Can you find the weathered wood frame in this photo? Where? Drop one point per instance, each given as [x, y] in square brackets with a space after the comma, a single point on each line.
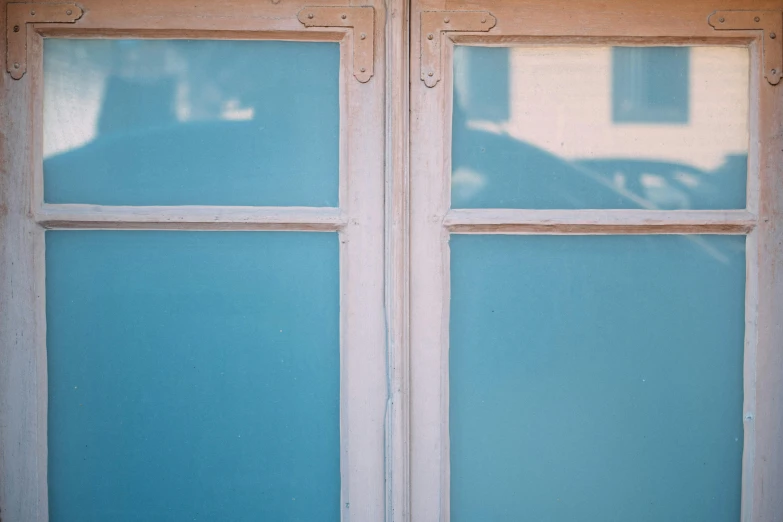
[359, 221]
[405, 405]
[592, 22]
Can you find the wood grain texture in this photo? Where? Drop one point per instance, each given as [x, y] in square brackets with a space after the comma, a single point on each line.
[631, 18]
[364, 388]
[190, 217]
[503, 221]
[397, 263]
[429, 288]
[23, 494]
[764, 422]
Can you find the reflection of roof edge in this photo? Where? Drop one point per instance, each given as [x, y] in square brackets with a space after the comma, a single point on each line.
[113, 137]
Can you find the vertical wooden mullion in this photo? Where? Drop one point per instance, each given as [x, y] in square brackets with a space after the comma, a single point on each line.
[397, 259]
[429, 285]
[766, 420]
[23, 483]
[363, 380]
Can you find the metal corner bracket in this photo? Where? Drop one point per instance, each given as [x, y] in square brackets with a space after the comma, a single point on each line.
[361, 19]
[771, 25]
[18, 15]
[434, 24]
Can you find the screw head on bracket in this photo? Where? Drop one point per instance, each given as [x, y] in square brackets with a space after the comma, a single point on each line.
[430, 36]
[32, 13]
[310, 16]
[16, 28]
[363, 36]
[773, 35]
[721, 19]
[16, 65]
[343, 17]
[446, 20]
[757, 19]
[69, 12]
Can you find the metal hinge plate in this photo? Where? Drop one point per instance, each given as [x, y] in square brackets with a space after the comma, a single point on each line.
[360, 19]
[18, 16]
[434, 24]
[770, 22]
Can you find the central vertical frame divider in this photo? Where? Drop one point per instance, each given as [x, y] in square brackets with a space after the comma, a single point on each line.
[629, 23]
[397, 277]
[359, 221]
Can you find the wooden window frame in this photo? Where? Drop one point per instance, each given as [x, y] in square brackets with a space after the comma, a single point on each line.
[432, 221]
[359, 222]
[404, 127]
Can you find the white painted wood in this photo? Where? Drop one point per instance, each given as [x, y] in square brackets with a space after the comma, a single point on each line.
[511, 221]
[429, 202]
[363, 387]
[397, 263]
[23, 395]
[190, 217]
[752, 281]
[763, 465]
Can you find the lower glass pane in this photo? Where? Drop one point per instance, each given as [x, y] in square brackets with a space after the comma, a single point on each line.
[193, 376]
[596, 378]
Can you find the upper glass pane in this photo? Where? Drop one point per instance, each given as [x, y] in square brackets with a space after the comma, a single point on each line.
[186, 122]
[193, 376]
[596, 378]
[600, 127]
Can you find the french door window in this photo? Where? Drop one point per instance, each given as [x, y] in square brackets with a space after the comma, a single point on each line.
[415, 261]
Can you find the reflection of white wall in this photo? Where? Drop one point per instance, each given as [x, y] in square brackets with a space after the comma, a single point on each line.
[561, 101]
[76, 73]
[72, 98]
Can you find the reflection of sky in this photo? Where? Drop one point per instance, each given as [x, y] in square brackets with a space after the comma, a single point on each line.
[571, 127]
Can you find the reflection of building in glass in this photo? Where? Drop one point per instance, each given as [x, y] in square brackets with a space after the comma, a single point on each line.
[174, 122]
[650, 84]
[681, 143]
[482, 82]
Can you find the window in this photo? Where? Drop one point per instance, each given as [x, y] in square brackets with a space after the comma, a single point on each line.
[406, 261]
[651, 84]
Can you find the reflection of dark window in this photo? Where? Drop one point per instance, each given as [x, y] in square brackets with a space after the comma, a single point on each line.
[650, 84]
[487, 85]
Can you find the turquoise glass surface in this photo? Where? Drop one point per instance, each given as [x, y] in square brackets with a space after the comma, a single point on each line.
[191, 122]
[596, 378]
[193, 376]
[656, 128]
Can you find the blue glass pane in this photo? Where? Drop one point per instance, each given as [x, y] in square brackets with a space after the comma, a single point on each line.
[179, 122]
[600, 127]
[651, 84]
[193, 376]
[596, 378]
